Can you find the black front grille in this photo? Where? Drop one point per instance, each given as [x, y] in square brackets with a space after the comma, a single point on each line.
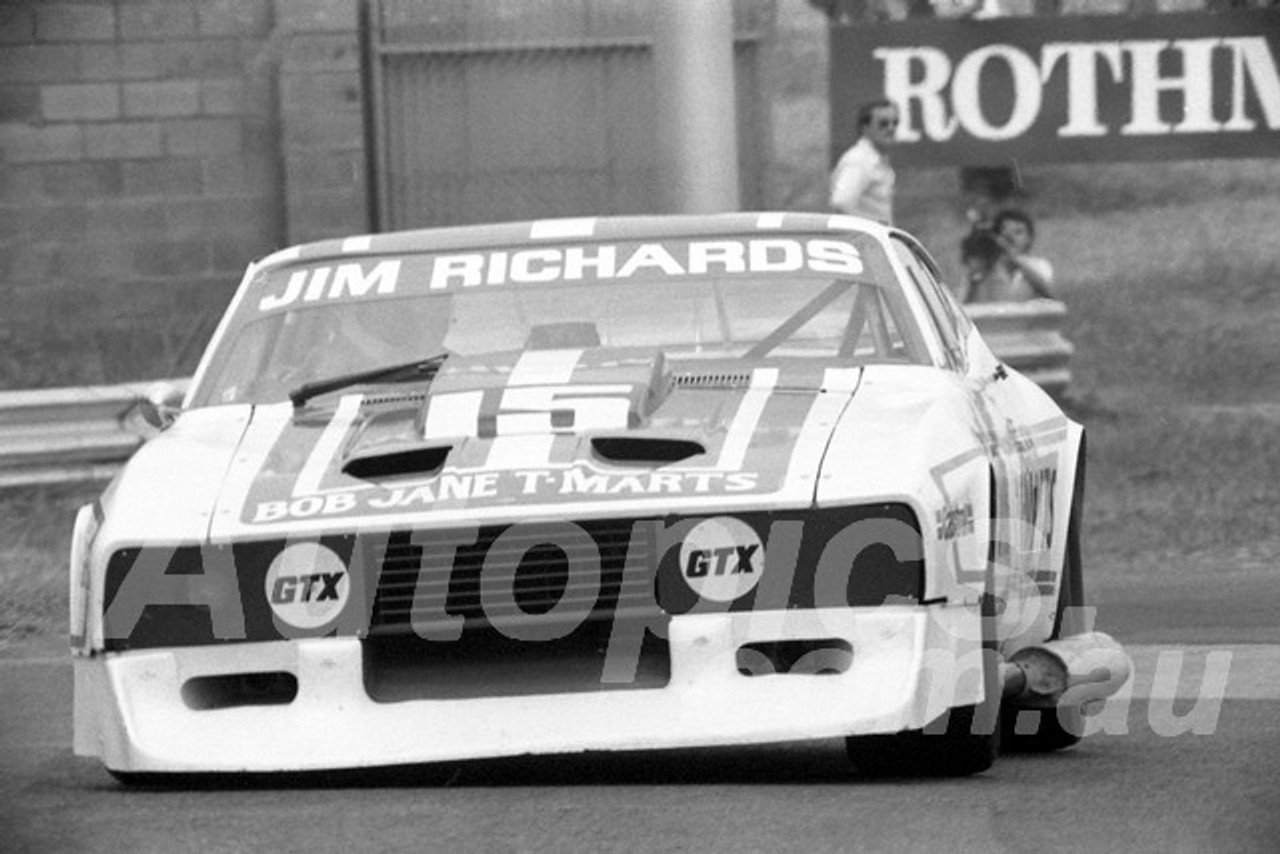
[550, 572]
[529, 581]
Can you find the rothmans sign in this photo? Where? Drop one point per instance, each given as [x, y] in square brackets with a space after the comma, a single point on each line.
[997, 91]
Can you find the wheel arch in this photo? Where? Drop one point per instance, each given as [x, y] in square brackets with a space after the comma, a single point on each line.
[1070, 616]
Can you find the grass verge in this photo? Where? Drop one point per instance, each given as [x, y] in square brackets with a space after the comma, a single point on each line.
[1170, 274]
[35, 541]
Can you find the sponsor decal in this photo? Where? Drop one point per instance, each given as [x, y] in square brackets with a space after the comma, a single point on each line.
[1035, 488]
[611, 261]
[1104, 87]
[674, 259]
[456, 485]
[307, 585]
[722, 558]
[531, 448]
[955, 521]
[335, 283]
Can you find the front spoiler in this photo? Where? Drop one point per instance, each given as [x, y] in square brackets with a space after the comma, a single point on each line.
[909, 665]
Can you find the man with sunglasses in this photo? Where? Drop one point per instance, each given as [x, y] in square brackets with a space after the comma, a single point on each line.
[862, 182]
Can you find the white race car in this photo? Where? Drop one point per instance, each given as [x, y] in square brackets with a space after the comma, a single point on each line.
[590, 484]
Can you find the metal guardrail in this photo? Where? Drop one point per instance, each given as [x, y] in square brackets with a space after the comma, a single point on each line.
[1028, 337]
[66, 435]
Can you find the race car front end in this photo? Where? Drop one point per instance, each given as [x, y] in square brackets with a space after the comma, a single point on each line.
[581, 485]
[400, 647]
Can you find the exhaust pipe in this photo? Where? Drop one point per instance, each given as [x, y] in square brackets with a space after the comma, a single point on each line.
[1091, 667]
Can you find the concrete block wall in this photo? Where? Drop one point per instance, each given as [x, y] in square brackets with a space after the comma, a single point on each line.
[150, 148]
[322, 124]
[795, 85]
[138, 139]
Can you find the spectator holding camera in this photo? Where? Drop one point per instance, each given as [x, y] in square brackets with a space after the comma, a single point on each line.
[1032, 275]
[999, 264]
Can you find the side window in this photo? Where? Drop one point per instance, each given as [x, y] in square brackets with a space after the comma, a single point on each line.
[962, 322]
[950, 304]
[921, 270]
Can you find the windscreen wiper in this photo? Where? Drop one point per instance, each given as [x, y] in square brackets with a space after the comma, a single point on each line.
[423, 369]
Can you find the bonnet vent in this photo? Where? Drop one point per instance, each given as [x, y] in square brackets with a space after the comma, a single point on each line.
[378, 463]
[392, 398]
[722, 379]
[645, 449]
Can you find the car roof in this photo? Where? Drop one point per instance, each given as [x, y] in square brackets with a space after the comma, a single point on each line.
[590, 229]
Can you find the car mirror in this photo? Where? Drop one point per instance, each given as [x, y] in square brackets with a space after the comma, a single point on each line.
[160, 405]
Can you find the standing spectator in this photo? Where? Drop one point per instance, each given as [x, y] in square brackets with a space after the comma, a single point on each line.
[998, 264]
[862, 182]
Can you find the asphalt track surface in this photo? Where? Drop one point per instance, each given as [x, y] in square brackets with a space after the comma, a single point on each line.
[1186, 758]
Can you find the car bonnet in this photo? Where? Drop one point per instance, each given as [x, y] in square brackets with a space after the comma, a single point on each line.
[537, 435]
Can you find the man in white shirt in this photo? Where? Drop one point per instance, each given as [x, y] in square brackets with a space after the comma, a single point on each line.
[862, 182]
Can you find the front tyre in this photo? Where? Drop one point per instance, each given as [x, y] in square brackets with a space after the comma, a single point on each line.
[962, 742]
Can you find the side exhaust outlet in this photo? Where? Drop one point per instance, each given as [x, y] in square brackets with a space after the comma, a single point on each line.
[1091, 667]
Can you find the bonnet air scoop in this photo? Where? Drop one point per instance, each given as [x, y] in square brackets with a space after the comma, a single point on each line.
[389, 443]
[396, 459]
[642, 450]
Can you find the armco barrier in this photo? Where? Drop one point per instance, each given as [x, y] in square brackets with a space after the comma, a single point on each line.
[75, 434]
[1027, 336]
[62, 435]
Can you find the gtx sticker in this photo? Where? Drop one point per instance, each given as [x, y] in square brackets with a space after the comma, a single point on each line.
[721, 559]
[307, 585]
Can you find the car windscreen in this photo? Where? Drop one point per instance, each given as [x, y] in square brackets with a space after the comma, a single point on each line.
[821, 298]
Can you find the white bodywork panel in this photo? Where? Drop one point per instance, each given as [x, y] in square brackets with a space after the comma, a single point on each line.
[985, 460]
[129, 710]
